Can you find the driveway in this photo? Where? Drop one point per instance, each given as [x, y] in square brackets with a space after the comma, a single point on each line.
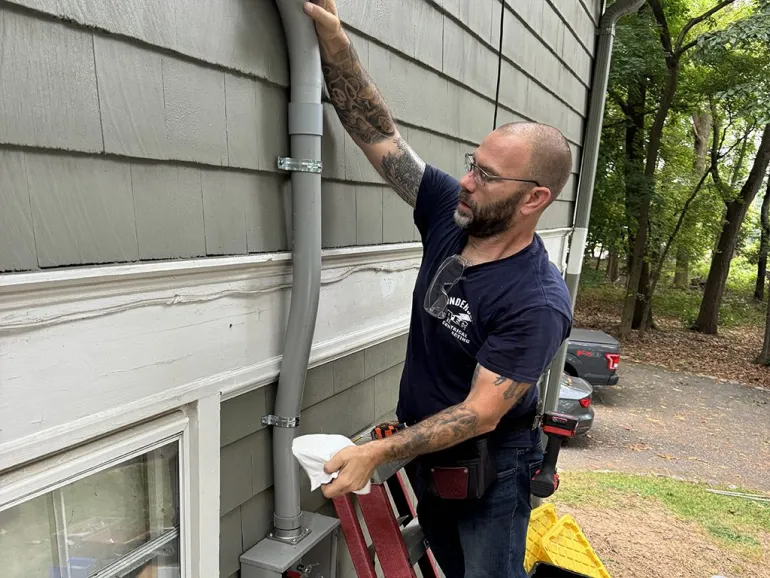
[656, 421]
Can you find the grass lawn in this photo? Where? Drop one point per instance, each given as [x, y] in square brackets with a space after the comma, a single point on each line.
[654, 526]
[734, 522]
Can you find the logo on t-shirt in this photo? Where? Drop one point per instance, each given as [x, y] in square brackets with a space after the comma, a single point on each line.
[458, 318]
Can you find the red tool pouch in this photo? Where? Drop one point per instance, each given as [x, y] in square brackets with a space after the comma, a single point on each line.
[462, 472]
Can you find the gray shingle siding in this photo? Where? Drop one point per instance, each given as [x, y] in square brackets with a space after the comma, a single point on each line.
[343, 397]
[149, 82]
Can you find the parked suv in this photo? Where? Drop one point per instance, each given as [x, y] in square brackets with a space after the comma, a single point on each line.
[594, 356]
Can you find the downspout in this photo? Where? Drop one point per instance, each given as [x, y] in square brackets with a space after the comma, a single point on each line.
[588, 176]
[305, 129]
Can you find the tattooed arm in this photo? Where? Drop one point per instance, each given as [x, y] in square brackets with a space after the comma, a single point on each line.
[490, 398]
[360, 106]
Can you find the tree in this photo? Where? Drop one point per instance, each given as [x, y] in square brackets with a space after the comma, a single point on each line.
[701, 128]
[708, 315]
[743, 46]
[759, 290]
[764, 356]
[674, 50]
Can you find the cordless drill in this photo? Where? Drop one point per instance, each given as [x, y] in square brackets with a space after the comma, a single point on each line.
[558, 427]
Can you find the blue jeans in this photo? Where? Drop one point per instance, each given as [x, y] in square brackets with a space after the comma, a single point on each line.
[486, 537]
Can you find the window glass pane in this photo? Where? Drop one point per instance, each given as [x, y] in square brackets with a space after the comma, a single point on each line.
[122, 522]
[26, 539]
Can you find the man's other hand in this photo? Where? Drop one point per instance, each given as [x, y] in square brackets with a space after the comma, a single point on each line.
[324, 14]
[355, 464]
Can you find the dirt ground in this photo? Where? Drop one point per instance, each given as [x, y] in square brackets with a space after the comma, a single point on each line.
[645, 541]
[657, 421]
[694, 428]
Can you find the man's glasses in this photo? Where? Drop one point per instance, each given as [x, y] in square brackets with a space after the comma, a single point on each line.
[482, 177]
[449, 273]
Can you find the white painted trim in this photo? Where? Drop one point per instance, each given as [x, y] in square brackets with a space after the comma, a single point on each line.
[577, 251]
[261, 265]
[62, 469]
[115, 338]
[202, 550]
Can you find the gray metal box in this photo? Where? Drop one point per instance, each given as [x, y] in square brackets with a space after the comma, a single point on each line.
[271, 558]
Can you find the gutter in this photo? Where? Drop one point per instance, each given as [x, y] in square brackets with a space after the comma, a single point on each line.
[305, 130]
[591, 145]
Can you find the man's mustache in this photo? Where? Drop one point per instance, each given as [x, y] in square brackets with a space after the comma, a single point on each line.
[465, 197]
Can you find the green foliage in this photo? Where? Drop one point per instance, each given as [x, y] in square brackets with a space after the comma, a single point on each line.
[739, 309]
[729, 65]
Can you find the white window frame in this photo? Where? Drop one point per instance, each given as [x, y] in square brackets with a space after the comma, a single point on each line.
[62, 469]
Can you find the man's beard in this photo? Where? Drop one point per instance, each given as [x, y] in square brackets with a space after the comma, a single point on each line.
[489, 220]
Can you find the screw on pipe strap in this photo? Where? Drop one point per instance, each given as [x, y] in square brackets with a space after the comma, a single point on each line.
[300, 165]
[280, 421]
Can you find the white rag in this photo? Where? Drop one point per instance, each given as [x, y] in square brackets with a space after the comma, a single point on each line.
[314, 450]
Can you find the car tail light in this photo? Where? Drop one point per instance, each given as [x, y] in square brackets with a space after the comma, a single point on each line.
[585, 402]
[612, 360]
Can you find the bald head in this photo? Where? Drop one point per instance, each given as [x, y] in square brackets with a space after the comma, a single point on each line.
[550, 159]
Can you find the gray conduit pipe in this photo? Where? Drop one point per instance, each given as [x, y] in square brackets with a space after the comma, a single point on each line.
[305, 130]
[588, 175]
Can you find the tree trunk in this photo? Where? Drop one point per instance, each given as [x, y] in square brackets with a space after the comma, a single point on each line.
[759, 290]
[708, 315]
[633, 168]
[764, 356]
[682, 272]
[701, 129]
[599, 260]
[644, 296]
[640, 243]
[659, 266]
[612, 266]
[739, 165]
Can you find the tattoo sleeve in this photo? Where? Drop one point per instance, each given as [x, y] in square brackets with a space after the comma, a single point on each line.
[445, 429]
[367, 119]
[455, 424]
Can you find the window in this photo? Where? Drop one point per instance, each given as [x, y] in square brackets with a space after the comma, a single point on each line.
[120, 519]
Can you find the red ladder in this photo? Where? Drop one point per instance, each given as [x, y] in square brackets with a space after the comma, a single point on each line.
[398, 542]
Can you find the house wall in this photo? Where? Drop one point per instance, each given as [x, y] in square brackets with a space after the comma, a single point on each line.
[341, 397]
[149, 130]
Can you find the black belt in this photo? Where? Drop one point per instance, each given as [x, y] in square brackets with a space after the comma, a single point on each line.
[528, 421]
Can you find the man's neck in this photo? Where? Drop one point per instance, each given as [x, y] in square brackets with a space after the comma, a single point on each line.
[499, 247]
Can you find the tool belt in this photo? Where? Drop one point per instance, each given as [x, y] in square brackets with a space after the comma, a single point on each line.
[467, 470]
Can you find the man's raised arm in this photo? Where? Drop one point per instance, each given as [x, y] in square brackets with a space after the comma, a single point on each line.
[360, 107]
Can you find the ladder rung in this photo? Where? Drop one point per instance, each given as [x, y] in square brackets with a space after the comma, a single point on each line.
[414, 538]
[415, 541]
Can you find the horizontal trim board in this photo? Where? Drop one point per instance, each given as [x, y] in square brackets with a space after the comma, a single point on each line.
[39, 478]
[89, 350]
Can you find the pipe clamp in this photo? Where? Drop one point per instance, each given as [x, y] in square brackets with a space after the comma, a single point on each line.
[280, 421]
[300, 165]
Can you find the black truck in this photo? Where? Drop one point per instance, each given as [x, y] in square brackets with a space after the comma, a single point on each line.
[593, 356]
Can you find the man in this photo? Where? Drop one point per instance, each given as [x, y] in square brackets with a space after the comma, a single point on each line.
[489, 313]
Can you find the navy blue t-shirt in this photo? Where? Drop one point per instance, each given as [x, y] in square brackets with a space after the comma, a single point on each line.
[509, 315]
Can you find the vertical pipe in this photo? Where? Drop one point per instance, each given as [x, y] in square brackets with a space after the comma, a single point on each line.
[305, 130]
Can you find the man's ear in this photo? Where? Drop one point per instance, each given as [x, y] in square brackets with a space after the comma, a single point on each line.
[536, 201]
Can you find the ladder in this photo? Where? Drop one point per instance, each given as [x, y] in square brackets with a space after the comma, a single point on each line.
[398, 542]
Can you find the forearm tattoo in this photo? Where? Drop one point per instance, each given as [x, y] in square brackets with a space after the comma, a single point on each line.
[450, 427]
[445, 429]
[365, 116]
